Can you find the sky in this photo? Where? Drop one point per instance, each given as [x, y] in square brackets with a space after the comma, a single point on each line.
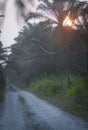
[11, 27]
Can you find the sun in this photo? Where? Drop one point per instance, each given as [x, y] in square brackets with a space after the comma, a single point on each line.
[68, 22]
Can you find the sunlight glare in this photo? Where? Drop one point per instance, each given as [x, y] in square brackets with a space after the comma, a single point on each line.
[67, 21]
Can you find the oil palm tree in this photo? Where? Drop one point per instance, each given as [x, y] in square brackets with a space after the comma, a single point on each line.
[52, 14]
[2, 76]
[55, 12]
[41, 35]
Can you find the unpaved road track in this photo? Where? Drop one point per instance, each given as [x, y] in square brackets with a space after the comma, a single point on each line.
[22, 110]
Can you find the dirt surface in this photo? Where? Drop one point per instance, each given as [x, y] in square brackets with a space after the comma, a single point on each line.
[22, 110]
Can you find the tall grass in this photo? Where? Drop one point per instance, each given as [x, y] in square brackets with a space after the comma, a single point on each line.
[66, 91]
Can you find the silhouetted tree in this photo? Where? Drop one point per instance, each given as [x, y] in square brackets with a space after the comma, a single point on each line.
[2, 74]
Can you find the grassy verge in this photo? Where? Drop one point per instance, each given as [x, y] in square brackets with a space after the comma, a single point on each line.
[69, 92]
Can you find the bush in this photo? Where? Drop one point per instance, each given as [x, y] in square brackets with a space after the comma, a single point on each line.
[78, 95]
[56, 89]
[2, 83]
[47, 85]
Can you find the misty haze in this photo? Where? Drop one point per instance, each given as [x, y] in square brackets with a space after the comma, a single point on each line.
[43, 65]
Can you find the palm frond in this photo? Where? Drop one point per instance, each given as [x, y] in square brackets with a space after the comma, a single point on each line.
[46, 2]
[2, 15]
[42, 7]
[45, 8]
[50, 8]
[34, 15]
[46, 22]
[40, 16]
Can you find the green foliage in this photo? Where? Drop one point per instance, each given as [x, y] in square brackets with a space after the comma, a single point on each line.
[2, 74]
[2, 84]
[48, 85]
[44, 48]
[56, 89]
[28, 59]
[78, 95]
[2, 54]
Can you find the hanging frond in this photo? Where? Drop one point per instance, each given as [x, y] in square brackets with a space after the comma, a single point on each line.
[40, 16]
[42, 7]
[34, 15]
[2, 15]
[46, 9]
[46, 2]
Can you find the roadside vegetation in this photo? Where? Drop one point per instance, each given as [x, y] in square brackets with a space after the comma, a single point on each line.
[68, 92]
[2, 84]
[1, 96]
[57, 44]
[3, 60]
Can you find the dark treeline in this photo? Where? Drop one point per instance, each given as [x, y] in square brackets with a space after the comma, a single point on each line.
[2, 72]
[49, 47]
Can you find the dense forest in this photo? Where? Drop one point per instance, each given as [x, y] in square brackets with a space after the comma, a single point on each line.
[50, 46]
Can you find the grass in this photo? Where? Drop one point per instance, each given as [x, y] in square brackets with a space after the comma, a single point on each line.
[69, 92]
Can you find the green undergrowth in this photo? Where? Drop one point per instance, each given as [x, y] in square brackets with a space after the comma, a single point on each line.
[69, 92]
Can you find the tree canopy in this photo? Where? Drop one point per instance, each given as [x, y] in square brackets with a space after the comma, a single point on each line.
[47, 46]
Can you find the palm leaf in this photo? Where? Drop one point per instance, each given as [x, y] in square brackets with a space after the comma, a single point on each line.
[41, 16]
[46, 2]
[34, 15]
[2, 15]
[47, 9]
